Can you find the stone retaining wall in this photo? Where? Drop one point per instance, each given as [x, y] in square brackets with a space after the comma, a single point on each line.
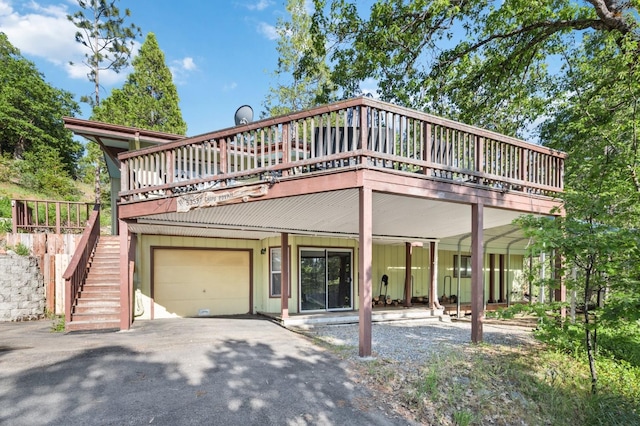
[22, 296]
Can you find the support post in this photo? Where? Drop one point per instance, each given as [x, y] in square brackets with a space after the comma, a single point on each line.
[126, 307]
[364, 270]
[284, 282]
[407, 275]
[477, 284]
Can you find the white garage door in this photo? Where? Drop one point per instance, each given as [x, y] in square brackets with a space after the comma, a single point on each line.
[192, 282]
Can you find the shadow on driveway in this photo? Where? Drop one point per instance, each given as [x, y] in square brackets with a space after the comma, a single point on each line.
[177, 372]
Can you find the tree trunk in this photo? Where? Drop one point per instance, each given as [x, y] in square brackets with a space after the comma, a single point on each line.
[590, 338]
[97, 182]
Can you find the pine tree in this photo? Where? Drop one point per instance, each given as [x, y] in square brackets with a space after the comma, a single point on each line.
[148, 99]
[102, 30]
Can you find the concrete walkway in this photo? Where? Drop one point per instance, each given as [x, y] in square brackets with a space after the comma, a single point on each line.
[209, 371]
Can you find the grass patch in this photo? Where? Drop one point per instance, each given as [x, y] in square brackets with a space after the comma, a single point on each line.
[500, 385]
[57, 323]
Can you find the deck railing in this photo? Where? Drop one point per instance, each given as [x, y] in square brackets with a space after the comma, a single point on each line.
[76, 271]
[357, 133]
[60, 217]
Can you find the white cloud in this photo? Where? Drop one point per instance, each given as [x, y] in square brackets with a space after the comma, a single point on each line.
[268, 30]
[229, 87]
[260, 5]
[45, 32]
[188, 64]
[181, 67]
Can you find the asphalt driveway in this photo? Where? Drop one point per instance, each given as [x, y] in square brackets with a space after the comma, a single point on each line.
[213, 371]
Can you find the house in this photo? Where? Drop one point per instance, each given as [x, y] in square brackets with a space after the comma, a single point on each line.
[336, 208]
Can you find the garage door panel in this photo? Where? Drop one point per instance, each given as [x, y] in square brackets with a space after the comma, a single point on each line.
[187, 281]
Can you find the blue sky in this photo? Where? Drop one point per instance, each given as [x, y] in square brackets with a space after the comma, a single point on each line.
[221, 53]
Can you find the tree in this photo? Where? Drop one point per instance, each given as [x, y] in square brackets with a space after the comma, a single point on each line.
[295, 90]
[102, 30]
[148, 99]
[480, 62]
[564, 69]
[31, 111]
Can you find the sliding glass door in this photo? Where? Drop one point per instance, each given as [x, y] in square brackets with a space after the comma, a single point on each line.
[325, 279]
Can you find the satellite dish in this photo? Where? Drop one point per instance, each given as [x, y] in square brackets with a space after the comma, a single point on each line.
[244, 115]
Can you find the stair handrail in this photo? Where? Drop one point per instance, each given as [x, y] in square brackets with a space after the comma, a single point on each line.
[76, 272]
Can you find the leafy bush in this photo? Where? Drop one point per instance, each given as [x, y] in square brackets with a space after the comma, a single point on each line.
[5, 207]
[21, 250]
[42, 170]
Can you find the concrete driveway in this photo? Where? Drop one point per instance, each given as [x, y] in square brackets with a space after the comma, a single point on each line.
[177, 372]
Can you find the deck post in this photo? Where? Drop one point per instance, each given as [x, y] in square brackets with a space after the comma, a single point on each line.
[477, 284]
[407, 275]
[125, 295]
[364, 270]
[284, 282]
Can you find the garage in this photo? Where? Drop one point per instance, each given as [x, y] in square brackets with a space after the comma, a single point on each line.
[189, 282]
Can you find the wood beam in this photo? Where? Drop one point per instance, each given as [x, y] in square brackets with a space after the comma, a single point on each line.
[477, 284]
[284, 282]
[365, 282]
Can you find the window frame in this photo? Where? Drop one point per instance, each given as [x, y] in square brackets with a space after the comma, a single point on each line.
[272, 294]
[465, 266]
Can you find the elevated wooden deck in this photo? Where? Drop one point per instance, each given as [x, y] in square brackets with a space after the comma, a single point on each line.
[349, 135]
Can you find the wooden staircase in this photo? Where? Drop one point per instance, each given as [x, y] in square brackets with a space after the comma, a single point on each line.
[97, 306]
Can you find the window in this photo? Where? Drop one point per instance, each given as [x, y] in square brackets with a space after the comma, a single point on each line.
[275, 272]
[465, 266]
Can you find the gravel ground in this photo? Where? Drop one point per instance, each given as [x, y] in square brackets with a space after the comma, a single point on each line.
[409, 342]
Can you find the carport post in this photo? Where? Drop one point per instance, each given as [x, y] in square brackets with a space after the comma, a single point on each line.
[364, 269]
[477, 283]
[284, 282]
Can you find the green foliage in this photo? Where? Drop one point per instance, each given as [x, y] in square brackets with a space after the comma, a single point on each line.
[102, 29]
[148, 99]
[42, 171]
[5, 207]
[57, 323]
[21, 249]
[5, 225]
[31, 112]
[295, 90]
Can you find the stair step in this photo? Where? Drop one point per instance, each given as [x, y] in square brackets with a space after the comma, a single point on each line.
[98, 277]
[100, 295]
[97, 306]
[97, 309]
[98, 303]
[92, 325]
[90, 298]
[104, 295]
[101, 285]
[96, 317]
